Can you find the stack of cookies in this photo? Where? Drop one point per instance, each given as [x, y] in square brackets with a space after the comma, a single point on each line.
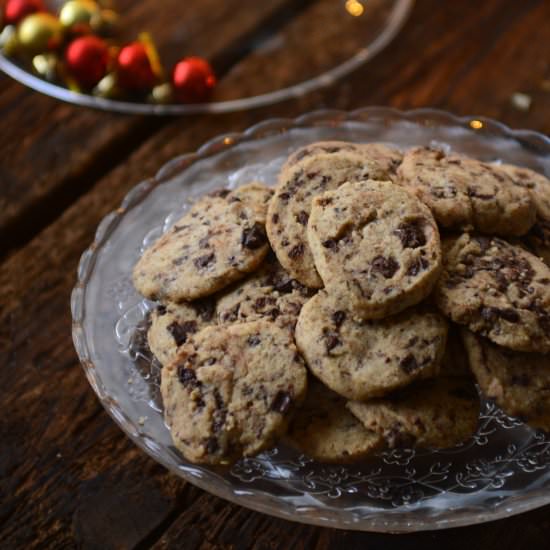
[354, 306]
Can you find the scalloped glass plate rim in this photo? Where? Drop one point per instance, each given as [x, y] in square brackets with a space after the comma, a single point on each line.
[258, 500]
[396, 20]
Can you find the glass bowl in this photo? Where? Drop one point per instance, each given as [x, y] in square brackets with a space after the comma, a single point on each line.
[503, 470]
[283, 49]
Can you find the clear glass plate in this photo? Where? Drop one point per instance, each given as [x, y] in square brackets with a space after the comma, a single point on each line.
[264, 52]
[503, 470]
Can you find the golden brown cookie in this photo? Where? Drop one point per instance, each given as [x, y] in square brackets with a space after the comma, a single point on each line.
[230, 391]
[217, 242]
[465, 193]
[437, 413]
[361, 359]
[498, 290]
[376, 245]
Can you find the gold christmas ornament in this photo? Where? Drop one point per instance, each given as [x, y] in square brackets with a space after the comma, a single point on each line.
[8, 40]
[77, 15]
[162, 94]
[39, 32]
[107, 87]
[46, 64]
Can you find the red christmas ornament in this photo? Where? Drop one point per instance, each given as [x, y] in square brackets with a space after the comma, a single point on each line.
[134, 68]
[16, 10]
[87, 58]
[193, 80]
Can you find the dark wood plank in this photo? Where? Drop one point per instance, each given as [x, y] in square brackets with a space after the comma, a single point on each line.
[51, 153]
[68, 476]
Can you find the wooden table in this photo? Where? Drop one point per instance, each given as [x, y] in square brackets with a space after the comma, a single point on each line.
[68, 475]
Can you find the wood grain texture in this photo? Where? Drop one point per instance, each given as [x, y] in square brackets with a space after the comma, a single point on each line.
[68, 476]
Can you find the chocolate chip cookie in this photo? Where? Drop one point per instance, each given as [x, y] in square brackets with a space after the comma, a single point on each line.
[376, 245]
[325, 430]
[230, 390]
[518, 382]
[465, 193]
[361, 359]
[172, 324]
[310, 171]
[217, 242]
[498, 290]
[437, 413]
[270, 293]
[537, 184]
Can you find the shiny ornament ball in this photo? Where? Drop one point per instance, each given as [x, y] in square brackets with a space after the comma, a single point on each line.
[134, 69]
[193, 80]
[87, 59]
[46, 65]
[39, 32]
[162, 94]
[16, 10]
[77, 14]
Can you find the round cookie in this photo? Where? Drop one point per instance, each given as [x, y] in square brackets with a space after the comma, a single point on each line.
[230, 390]
[438, 413]
[376, 245]
[362, 359]
[498, 290]
[518, 382]
[217, 242]
[465, 193]
[172, 324]
[325, 430]
[267, 293]
[537, 184]
[310, 171]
